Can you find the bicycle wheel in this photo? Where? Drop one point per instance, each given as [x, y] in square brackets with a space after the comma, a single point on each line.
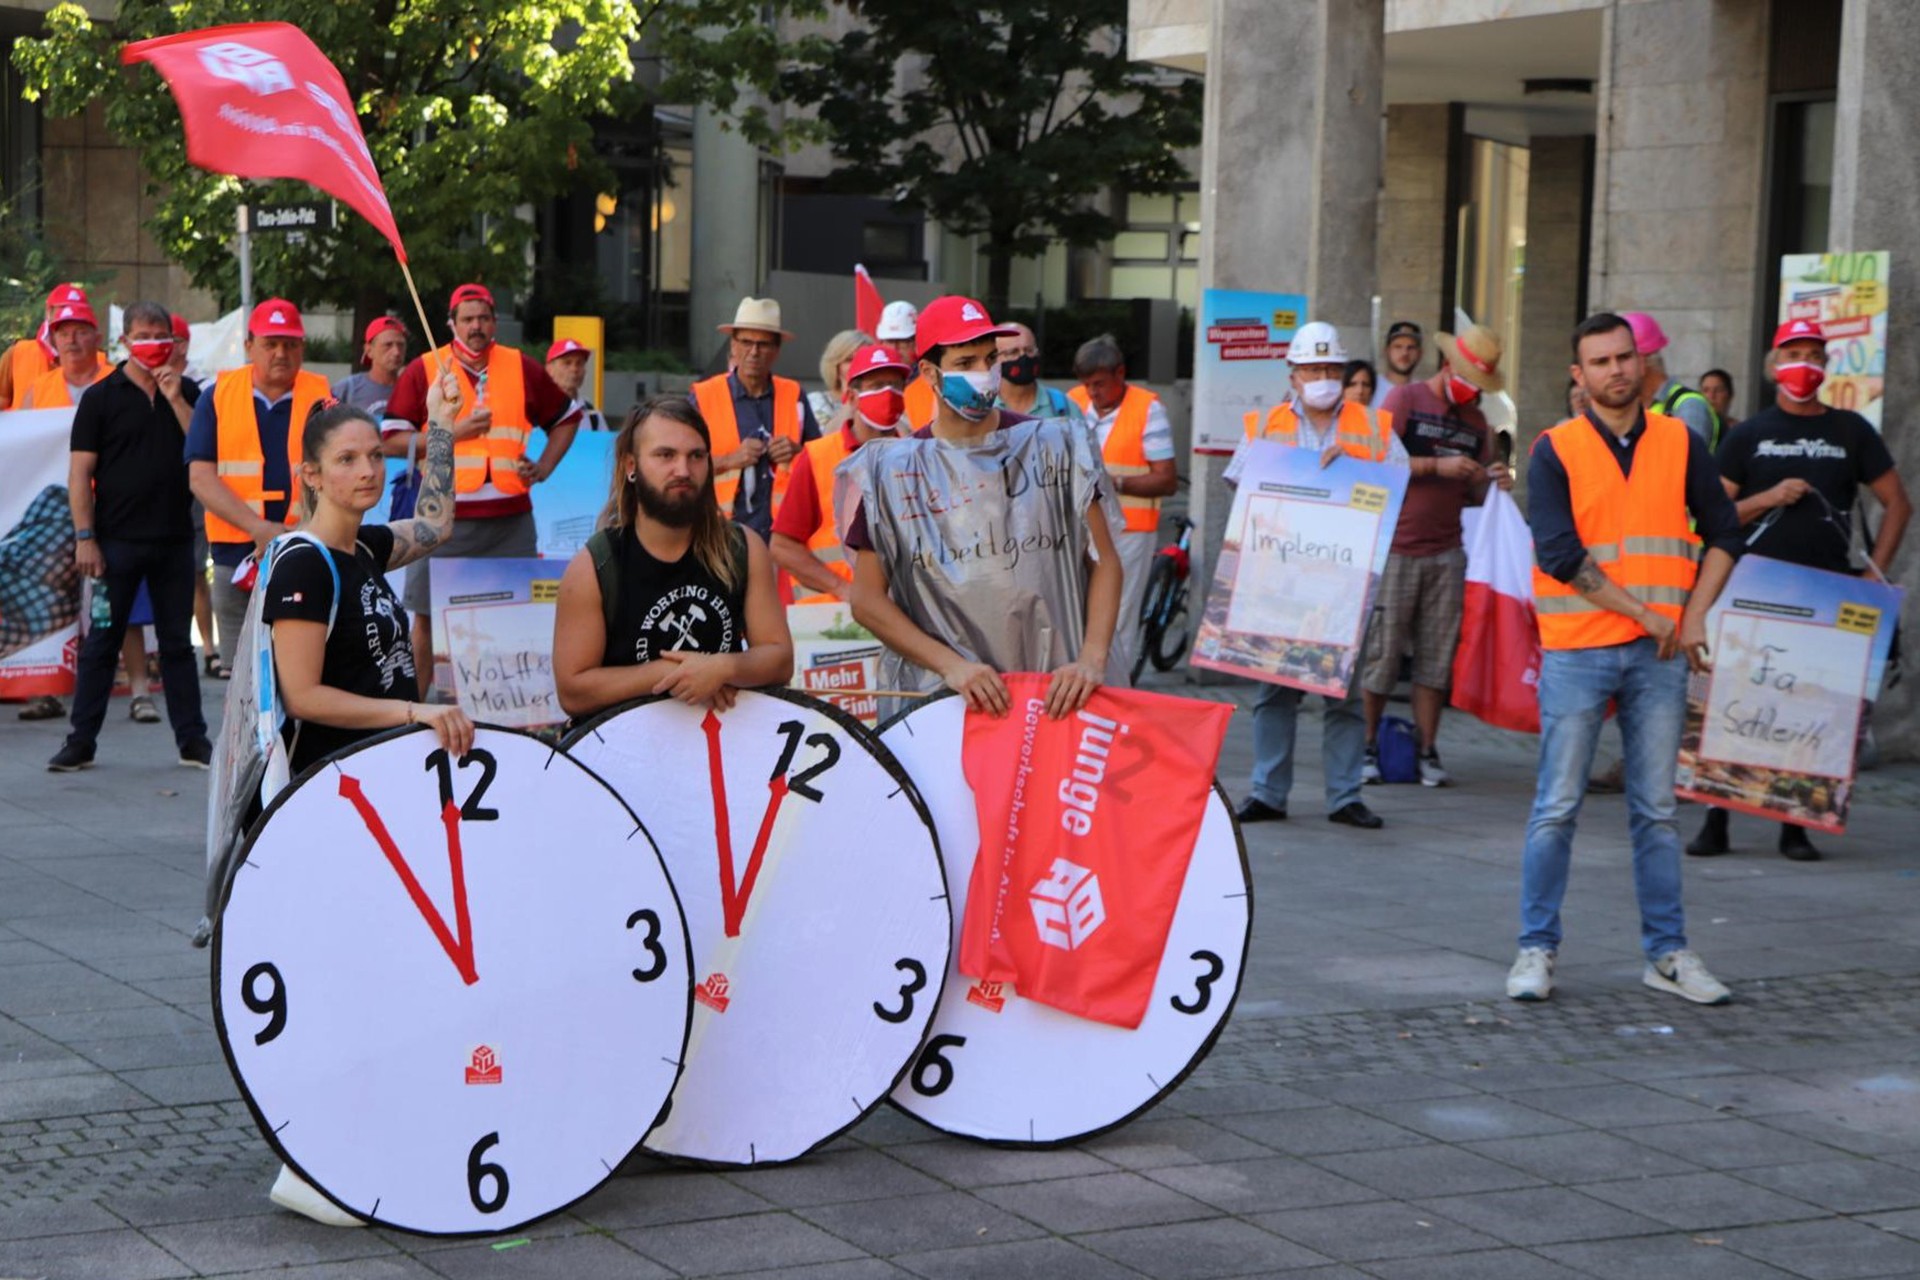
[1170, 641]
[1154, 602]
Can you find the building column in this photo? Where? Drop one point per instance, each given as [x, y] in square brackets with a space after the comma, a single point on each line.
[1413, 219]
[1875, 188]
[726, 227]
[1290, 174]
[1550, 302]
[1682, 106]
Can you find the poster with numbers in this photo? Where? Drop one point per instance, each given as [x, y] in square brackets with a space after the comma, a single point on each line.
[1295, 578]
[1846, 294]
[1798, 656]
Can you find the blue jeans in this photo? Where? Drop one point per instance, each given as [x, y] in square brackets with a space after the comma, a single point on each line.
[168, 570]
[1343, 744]
[1650, 699]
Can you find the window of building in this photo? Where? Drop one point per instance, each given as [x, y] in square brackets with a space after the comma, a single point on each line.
[1158, 253]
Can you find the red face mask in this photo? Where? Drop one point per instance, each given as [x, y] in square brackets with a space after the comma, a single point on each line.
[151, 352]
[468, 354]
[1461, 392]
[881, 408]
[1801, 381]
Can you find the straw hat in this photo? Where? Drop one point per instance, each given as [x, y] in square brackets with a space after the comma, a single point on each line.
[1474, 356]
[762, 314]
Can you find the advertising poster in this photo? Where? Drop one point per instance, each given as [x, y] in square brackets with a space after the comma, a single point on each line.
[1798, 656]
[1296, 575]
[1240, 361]
[39, 584]
[1847, 294]
[835, 658]
[567, 505]
[493, 639]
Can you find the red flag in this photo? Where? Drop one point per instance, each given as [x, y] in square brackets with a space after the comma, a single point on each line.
[259, 100]
[867, 302]
[1086, 828]
[1496, 668]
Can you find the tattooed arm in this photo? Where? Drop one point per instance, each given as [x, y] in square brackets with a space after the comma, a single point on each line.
[1591, 581]
[432, 520]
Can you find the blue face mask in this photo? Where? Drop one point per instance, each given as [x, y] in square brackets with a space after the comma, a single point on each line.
[971, 395]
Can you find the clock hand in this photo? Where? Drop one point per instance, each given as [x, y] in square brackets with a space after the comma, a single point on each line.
[722, 831]
[460, 952]
[777, 792]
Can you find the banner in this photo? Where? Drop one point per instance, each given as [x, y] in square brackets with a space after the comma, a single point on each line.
[1087, 824]
[1240, 361]
[568, 504]
[1798, 656]
[1295, 577]
[39, 583]
[1496, 669]
[835, 658]
[1847, 294]
[493, 638]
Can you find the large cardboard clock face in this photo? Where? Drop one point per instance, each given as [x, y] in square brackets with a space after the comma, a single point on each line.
[815, 898]
[1003, 1069]
[456, 994]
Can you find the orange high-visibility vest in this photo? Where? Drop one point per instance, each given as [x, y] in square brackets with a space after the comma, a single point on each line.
[239, 462]
[1361, 432]
[922, 404]
[823, 456]
[28, 360]
[1126, 451]
[50, 390]
[715, 400]
[1635, 528]
[492, 455]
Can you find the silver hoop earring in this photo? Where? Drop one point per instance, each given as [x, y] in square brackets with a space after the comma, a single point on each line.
[632, 476]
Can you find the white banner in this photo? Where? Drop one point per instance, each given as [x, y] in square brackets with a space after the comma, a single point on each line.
[39, 585]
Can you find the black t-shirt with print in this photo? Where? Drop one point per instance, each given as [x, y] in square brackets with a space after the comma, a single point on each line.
[1835, 452]
[678, 606]
[368, 650]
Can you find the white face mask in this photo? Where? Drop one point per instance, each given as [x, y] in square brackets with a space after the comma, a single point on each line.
[1322, 393]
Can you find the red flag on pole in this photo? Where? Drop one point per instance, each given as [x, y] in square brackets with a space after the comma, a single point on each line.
[1087, 825]
[867, 302]
[259, 100]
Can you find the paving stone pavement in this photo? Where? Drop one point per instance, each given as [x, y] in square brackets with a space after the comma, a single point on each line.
[1374, 1109]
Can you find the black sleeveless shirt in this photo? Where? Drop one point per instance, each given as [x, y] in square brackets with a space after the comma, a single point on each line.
[666, 606]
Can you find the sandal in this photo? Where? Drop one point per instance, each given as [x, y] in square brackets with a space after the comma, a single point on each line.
[44, 707]
[211, 665]
[143, 709]
[220, 670]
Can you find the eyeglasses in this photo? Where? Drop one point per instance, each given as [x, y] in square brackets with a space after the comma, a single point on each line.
[756, 344]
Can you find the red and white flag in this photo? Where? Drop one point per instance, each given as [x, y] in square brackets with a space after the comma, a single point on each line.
[1496, 669]
[259, 100]
[867, 302]
[1086, 828]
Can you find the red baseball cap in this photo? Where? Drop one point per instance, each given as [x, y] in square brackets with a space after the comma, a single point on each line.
[380, 325]
[873, 358]
[68, 295]
[1799, 331]
[80, 312]
[566, 347]
[954, 321]
[470, 293]
[181, 331]
[276, 318]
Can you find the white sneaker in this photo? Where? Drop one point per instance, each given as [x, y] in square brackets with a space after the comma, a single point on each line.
[1531, 977]
[1684, 974]
[1431, 774]
[1370, 767]
[295, 1193]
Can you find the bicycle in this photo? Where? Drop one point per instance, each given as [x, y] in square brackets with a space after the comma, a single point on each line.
[1163, 608]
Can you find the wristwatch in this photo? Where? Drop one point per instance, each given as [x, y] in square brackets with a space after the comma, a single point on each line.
[83, 535]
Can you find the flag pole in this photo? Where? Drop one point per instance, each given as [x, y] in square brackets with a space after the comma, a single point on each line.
[433, 354]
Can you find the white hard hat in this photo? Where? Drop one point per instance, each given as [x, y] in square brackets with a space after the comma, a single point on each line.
[1316, 343]
[897, 320]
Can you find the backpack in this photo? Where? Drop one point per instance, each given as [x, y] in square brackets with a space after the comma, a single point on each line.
[606, 567]
[1399, 751]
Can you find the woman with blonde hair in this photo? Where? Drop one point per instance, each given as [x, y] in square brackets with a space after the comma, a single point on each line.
[831, 404]
[670, 596]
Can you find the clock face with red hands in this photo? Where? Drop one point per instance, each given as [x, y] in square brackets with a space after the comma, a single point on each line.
[456, 993]
[1006, 1070]
[816, 902]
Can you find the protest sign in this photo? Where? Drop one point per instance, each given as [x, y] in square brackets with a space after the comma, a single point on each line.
[835, 658]
[567, 505]
[493, 638]
[1240, 361]
[1296, 575]
[39, 583]
[1798, 658]
[1846, 293]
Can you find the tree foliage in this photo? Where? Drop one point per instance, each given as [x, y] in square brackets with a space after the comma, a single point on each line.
[1004, 118]
[472, 108]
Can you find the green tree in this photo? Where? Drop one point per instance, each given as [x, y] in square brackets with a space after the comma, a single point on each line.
[1005, 118]
[31, 269]
[472, 108]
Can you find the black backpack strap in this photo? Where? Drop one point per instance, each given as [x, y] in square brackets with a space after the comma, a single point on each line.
[605, 569]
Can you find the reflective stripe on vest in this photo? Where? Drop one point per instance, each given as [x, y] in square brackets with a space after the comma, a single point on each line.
[714, 396]
[1635, 526]
[490, 456]
[240, 464]
[1125, 452]
[1360, 432]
